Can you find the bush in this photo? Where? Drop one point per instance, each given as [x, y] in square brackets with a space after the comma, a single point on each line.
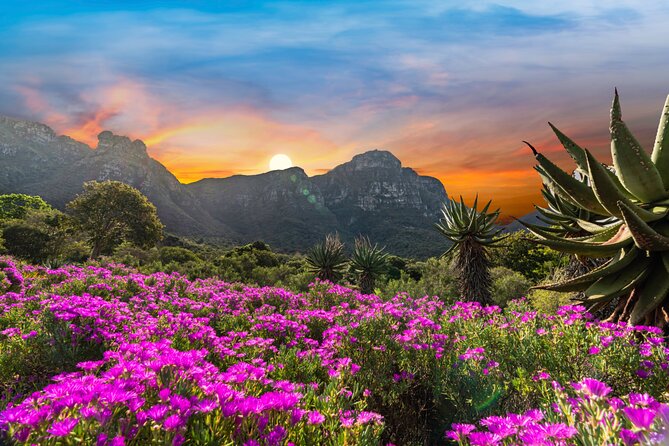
[41, 236]
[437, 278]
[531, 260]
[176, 254]
[507, 285]
[16, 206]
[549, 301]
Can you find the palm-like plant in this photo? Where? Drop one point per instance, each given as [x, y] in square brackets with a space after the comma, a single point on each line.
[327, 259]
[368, 263]
[633, 227]
[472, 233]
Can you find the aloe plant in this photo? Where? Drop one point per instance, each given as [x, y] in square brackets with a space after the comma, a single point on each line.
[472, 233]
[327, 259]
[631, 230]
[368, 263]
[565, 218]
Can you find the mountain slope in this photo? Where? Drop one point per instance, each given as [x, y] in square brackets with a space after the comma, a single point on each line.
[55, 167]
[282, 207]
[372, 194]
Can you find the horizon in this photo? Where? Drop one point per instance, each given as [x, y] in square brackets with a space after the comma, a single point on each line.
[219, 89]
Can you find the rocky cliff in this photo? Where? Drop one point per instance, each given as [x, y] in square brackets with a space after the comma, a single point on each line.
[372, 194]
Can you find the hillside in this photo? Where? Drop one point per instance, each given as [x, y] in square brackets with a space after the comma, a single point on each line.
[371, 195]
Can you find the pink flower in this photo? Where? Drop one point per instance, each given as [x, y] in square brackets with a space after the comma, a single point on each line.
[641, 417]
[315, 417]
[63, 427]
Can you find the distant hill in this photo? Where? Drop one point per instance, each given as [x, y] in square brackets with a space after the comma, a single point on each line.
[372, 194]
[531, 218]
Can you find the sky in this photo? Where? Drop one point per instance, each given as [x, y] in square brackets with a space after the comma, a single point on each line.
[217, 88]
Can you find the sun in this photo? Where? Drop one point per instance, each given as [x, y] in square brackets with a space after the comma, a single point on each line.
[280, 162]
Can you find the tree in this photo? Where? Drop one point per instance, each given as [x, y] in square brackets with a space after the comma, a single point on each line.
[41, 235]
[368, 263]
[327, 259]
[472, 232]
[17, 205]
[521, 254]
[111, 212]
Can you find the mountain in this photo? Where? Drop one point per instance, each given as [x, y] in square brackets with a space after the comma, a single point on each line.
[371, 195]
[283, 207]
[531, 218]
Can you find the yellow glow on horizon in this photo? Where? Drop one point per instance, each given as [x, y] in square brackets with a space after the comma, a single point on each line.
[280, 161]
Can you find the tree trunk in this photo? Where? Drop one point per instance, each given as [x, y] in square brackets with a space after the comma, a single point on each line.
[95, 252]
[366, 284]
[474, 268]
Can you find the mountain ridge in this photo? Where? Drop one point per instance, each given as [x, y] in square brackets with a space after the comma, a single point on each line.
[372, 194]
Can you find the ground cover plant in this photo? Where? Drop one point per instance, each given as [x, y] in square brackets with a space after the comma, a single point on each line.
[92, 355]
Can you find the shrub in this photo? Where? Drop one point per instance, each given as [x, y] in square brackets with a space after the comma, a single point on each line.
[508, 285]
[436, 277]
[16, 206]
[531, 260]
[176, 254]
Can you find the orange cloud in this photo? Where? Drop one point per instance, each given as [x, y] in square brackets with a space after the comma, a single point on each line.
[209, 141]
[195, 142]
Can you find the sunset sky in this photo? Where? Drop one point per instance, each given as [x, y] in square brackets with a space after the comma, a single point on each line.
[217, 88]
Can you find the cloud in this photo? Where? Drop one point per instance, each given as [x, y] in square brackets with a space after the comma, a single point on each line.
[220, 86]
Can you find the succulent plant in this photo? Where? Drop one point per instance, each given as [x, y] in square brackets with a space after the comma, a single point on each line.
[631, 228]
[472, 232]
[327, 259]
[563, 217]
[368, 263]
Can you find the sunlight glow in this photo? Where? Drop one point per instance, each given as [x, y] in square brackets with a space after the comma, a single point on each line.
[280, 162]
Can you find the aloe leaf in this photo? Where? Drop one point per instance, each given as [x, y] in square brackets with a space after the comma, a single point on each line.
[645, 237]
[653, 293]
[634, 167]
[575, 190]
[660, 155]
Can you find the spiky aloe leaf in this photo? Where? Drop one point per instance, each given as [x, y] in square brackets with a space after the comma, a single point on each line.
[645, 237]
[574, 189]
[327, 259]
[660, 155]
[574, 150]
[633, 165]
[611, 285]
[368, 262]
[622, 260]
[608, 194]
[472, 233]
[653, 293]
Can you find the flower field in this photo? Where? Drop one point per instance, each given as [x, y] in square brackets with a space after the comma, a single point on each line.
[107, 356]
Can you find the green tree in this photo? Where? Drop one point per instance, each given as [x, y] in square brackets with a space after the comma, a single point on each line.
[111, 212]
[13, 206]
[41, 235]
[525, 256]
